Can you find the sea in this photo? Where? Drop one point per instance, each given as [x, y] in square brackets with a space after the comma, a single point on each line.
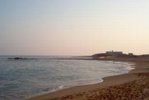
[34, 75]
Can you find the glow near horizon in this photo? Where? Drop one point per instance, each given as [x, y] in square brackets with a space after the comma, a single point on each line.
[73, 27]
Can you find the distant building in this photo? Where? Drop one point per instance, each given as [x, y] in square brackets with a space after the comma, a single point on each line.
[114, 53]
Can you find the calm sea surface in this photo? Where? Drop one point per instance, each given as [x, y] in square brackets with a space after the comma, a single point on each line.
[20, 79]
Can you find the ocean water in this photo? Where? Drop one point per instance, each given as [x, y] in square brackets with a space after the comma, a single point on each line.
[20, 79]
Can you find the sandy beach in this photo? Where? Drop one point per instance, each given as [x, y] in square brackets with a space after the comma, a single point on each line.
[131, 86]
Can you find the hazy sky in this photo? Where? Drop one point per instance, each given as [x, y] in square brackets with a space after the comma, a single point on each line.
[73, 27]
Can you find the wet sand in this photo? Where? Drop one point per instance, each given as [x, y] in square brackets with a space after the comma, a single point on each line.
[131, 86]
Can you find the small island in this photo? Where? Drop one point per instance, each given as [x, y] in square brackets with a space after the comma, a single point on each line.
[119, 55]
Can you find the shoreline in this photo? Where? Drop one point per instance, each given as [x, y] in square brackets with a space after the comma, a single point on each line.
[116, 80]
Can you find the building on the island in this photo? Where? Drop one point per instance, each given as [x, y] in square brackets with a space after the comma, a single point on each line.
[114, 53]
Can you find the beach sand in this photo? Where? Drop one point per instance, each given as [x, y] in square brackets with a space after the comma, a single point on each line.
[131, 86]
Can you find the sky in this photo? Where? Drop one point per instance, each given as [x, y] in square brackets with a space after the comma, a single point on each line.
[73, 27]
